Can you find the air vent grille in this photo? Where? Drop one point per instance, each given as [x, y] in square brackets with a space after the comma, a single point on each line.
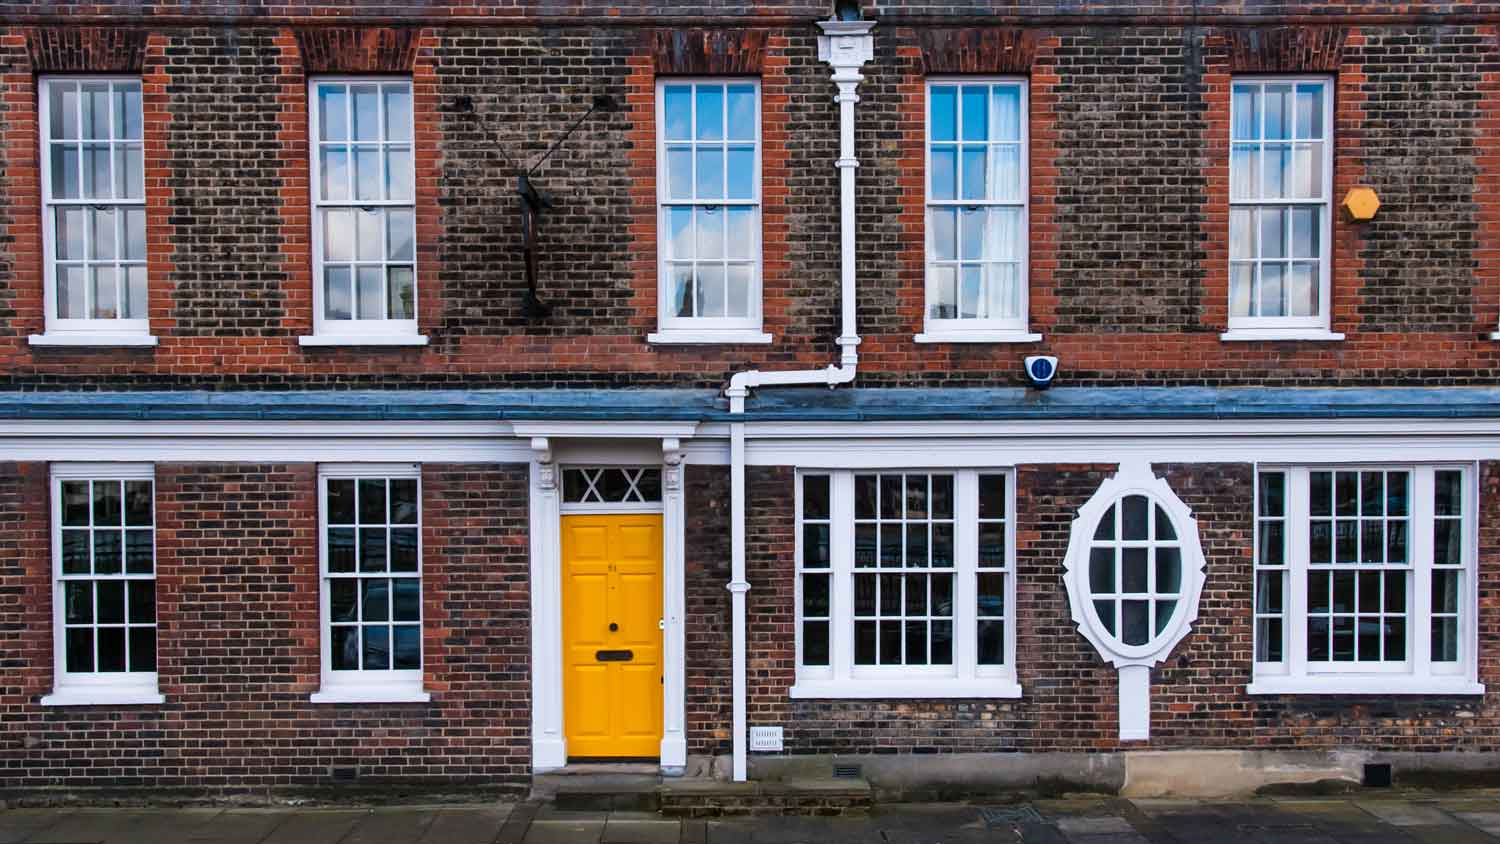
[846, 772]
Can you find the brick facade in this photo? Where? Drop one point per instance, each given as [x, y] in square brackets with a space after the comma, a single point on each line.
[1129, 183]
[237, 603]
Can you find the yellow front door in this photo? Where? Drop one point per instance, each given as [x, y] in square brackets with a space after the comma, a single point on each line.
[612, 637]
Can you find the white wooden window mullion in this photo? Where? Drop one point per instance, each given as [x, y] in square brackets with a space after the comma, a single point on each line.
[1297, 542]
[1419, 557]
[841, 592]
[966, 577]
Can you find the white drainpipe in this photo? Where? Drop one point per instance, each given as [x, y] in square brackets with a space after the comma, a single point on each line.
[846, 46]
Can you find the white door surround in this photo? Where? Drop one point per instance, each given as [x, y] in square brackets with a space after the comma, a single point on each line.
[579, 443]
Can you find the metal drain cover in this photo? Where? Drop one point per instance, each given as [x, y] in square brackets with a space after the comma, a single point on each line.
[995, 817]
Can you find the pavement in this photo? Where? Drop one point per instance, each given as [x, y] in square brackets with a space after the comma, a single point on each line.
[1360, 818]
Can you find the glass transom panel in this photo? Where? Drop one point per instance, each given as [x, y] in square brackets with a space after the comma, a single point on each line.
[611, 485]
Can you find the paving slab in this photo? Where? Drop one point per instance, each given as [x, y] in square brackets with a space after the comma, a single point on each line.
[1400, 814]
[316, 827]
[466, 826]
[641, 831]
[1447, 834]
[237, 826]
[1486, 821]
[113, 827]
[17, 825]
[390, 826]
[565, 832]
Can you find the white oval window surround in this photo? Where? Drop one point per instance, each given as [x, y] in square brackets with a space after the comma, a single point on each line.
[1134, 571]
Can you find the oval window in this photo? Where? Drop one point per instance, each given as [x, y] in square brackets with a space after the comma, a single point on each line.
[1134, 583]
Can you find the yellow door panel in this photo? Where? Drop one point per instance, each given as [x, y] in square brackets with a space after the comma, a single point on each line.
[612, 679]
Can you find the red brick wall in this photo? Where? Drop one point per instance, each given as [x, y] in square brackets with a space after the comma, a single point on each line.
[238, 654]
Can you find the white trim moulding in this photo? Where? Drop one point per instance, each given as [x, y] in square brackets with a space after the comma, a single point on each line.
[708, 338]
[362, 340]
[977, 337]
[83, 339]
[1236, 335]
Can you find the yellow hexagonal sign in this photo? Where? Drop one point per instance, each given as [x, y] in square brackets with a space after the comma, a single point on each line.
[1360, 204]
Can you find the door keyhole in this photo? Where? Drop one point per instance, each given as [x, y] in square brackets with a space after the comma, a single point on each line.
[613, 627]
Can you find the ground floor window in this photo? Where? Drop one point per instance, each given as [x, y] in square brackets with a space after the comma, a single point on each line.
[1364, 579]
[905, 583]
[371, 577]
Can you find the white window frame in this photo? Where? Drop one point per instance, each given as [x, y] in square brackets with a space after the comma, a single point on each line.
[376, 685]
[96, 688]
[1418, 674]
[358, 332]
[965, 678]
[87, 331]
[959, 330]
[1317, 327]
[707, 330]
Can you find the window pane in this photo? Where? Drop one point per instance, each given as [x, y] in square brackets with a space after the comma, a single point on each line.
[1268, 640]
[75, 500]
[680, 172]
[864, 643]
[375, 599]
[710, 175]
[135, 234]
[333, 167]
[401, 234]
[815, 546]
[75, 551]
[814, 643]
[710, 223]
[111, 649]
[408, 647]
[678, 108]
[332, 113]
[341, 550]
[1310, 110]
[1246, 109]
[1307, 167]
[1302, 290]
[741, 107]
[991, 496]
[975, 167]
[343, 596]
[1133, 570]
[1006, 113]
[971, 233]
[1276, 165]
[943, 118]
[740, 232]
[991, 643]
[1448, 489]
[404, 550]
[1106, 612]
[1445, 640]
[1134, 515]
[1135, 623]
[944, 162]
[992, 545]
[1244, 172]
[108, 558]
[377, 650]
[942, 233]
[140, 554]
[78, 603]
[398, 173]
[402, 294]
[1164, 529]
[1102, 571]
[143, 649]
[1164, 612]
[1278, 106]
[371, 293]
[95, 110]
[710, 113]
[1271, 302]
[367, 173]
[1168, 570]
[741, 169]
[369, 242]
[107, 505]
[142, 594]
[815, 595]
[1241, 233]
[1005, 181]
[709, 290]
[397, 112]
[80, 648]
[62, 109]
[1270, 595]
[366, 112]
[1272, 543]
[372, 550]
[130, 179]
[680, 281]
[343, 648]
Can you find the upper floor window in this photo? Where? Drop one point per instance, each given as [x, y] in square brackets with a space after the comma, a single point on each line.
[364, 209]
[1364, 580]
[1280, 215]
[94, 208]
[104, 584]
[905, 585]
[708, 193]
[977, 190]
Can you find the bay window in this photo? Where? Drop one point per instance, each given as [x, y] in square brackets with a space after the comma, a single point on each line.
[905, 584]
[1364, 580]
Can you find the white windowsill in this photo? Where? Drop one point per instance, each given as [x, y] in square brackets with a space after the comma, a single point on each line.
[1234, 335]
[370, 694]
[977, 337]
[1495, 335]
[103, 696]
[81, 339]
[362, 340]
[877, 689]
[1350, 685]
[671, 337]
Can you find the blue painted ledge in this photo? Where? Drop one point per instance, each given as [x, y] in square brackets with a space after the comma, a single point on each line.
[768, 404]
